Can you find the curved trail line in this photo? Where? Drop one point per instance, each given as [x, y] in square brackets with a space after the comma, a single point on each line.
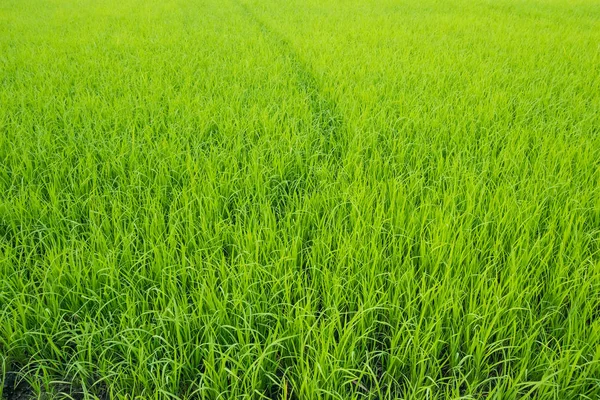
[327, 122]
[326, 118]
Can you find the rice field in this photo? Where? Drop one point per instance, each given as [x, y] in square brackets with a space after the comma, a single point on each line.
[301, 199]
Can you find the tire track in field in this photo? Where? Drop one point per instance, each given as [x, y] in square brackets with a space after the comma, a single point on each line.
[326, 117]
[327, 120]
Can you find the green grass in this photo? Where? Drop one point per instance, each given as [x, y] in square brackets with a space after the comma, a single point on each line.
[303, 199]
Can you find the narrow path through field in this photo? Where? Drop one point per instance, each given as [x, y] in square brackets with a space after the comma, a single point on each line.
[326, 116]
[328, 131]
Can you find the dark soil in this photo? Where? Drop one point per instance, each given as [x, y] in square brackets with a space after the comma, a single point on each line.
[15, 389]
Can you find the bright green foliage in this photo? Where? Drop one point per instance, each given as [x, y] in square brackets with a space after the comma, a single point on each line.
[301, 199]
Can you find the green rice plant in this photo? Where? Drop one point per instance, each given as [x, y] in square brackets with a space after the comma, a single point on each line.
[300, 200]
